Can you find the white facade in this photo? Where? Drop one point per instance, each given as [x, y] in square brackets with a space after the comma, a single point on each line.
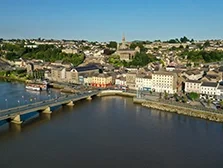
[219, 91]
[170, 68]
[192, 86]
[87, 80]
[164, 82]
[120, 82]
[209, 88]
[143, 83]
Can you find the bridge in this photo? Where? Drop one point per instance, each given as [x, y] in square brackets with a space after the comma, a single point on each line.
[14, 114]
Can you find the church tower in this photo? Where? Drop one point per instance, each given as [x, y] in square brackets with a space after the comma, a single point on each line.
[123, 38]
[123, 45]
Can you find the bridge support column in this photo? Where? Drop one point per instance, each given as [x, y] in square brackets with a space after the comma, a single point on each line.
[16, 120]
[89, 98]
[71, 103]
[47, 111]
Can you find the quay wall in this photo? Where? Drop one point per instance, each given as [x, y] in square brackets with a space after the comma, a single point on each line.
[217, 117]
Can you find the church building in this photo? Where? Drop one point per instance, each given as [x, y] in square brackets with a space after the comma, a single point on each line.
[125, 52]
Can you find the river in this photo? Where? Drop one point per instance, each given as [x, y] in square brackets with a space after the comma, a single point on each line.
[107, 132]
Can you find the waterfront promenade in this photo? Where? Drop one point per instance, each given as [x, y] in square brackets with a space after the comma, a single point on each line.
[14, 114]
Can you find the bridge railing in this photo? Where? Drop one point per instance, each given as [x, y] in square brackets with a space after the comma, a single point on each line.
[45, 103]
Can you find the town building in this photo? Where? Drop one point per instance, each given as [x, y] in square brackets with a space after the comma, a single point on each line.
[131, 80]
[193, 86]
[209, 88]
[70, 51]
[120, 82]
[144, 82]
[220, 91]
[101, 80]
[164, 82]
[83, 71]
[194, 74]
[58, 74]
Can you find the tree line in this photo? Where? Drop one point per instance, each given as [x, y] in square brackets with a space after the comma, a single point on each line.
[48, 53]
[203, 56]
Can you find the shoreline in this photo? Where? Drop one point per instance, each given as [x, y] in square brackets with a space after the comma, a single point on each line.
[170, 108]
[13, 79]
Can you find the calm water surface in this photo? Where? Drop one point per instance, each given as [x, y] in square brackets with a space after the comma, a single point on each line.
[107, 132]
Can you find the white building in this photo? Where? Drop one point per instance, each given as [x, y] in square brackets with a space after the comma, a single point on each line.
[170, 68]
[209, 88]
[164, 82]
[120, 82]
[192, 86]
[70, 50]
[220, 91]
[144, 83]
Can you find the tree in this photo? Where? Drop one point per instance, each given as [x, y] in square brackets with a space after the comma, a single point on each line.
[193, 96]
[184, 39]
[221, 103]
[112, 44]
[206, 44]
[184, 99]
[176, 97]
[138, 44]
[108, 52]
[165, 95]
[208, 102]
[142, 59]
[160, 95]
[173, 41]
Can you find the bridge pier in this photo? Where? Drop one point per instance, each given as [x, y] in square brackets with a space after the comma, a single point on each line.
[71, 103]
[16, 120]
[89, 98]
[47, 110]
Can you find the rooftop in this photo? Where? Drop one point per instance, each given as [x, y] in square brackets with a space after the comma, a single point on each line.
[86, 68]
[193, 81]
[209, 84]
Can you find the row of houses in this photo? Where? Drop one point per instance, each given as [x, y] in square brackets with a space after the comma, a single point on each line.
[158, 81]
[204, 88]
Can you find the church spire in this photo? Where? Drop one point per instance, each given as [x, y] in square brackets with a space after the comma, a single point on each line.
[123, 38]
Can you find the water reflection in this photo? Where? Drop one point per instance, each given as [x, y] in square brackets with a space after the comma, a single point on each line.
[111, 132]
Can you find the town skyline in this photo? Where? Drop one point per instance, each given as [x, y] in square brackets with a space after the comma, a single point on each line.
[102, 21]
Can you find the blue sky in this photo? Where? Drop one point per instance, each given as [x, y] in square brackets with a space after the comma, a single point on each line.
[106, 20]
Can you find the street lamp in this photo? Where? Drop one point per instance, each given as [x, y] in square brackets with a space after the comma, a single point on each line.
[19, 102]
[49, 96]
[23, 100]
[6, 103]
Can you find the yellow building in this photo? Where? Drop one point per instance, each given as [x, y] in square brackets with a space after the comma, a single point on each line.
[101, 80]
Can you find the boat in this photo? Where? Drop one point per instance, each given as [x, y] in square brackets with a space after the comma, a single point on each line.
[37, 86]
[31, 87]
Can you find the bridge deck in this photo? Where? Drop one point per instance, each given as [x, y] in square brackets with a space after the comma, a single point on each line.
[39, 106]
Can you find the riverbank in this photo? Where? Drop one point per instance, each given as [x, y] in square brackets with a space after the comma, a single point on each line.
[13, 79]
[216, 117]
[168, 107]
